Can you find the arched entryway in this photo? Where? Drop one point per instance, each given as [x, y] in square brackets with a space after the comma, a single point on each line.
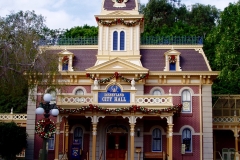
[117, 142]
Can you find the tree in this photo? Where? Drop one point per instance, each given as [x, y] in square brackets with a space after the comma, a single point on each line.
[224, 50]
[165, 19]
[81, 31]
[13, 139]
[23, 62]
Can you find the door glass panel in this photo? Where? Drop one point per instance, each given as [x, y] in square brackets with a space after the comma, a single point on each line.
[111, 142]
[122, 142]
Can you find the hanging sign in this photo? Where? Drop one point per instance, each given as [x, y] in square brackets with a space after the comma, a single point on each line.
[114, 95]
[183, 148]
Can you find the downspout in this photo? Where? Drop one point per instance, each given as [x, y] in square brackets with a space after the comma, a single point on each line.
[201, 122]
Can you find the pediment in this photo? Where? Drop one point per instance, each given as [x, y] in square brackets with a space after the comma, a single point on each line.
[65, 52]
[117, 65]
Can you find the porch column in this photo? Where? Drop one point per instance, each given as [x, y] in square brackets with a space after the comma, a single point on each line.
[94, 134]
[170, 141]
[167, 142]
[170, 137]
[66, 140]
[236, 143]
[57, 140]
[132, 121]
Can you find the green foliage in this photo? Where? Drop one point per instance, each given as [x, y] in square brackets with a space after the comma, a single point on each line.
[81, 31]
[223, 50]
[164, 19]
[13, 139]
[21, 64]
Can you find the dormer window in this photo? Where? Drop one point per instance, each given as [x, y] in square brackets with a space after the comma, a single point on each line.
[172, 62]
[118, 41]
[65, 61]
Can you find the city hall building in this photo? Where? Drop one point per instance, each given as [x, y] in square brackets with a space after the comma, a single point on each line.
[127, 99]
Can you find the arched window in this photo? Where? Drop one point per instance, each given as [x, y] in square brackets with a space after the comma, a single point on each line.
[118, 41]
[79, 92]
[115, 40]
[53, 94]
[156, 140]
[156, 92]
[186, 101]
[78, 136]
[122, 40]
[187, 139]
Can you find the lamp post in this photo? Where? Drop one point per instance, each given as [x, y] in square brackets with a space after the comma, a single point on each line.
[47, 109]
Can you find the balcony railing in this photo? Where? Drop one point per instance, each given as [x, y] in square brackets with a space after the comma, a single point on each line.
[140, 100]
[145, 40]
[13, 117]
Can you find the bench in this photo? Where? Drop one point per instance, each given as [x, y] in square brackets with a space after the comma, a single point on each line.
[155, 155]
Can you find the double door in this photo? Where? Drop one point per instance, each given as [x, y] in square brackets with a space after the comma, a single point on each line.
[116, 146]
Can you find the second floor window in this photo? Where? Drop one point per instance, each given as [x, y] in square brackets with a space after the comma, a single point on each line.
[186, 101]
[118, 41]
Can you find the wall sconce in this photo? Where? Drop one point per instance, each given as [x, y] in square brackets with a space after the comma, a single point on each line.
[138, 132]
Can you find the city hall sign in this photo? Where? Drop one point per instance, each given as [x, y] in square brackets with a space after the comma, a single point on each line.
[114, 94]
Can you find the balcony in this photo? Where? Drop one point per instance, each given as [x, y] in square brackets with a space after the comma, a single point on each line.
[20, 119]
[148, 101]
[226, 109]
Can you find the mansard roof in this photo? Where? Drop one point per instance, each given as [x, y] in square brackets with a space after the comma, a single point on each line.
[152, 59]
[190, 59]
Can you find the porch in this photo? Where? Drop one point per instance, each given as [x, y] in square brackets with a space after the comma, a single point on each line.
[226, 125]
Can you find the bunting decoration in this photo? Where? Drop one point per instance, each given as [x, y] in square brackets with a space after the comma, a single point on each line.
[119, 21]
[117, 75]
[134, 108]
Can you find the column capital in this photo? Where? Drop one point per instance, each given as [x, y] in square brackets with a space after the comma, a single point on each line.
[169, 119]
[132, 119]
[95, 118]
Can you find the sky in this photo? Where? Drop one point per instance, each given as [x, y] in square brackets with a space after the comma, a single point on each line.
[65, 14]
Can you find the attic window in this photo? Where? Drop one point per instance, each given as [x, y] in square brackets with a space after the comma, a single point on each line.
[65, 61]
[172, 61]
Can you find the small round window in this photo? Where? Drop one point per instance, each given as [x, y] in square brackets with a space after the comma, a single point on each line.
[157, 92]
[79, 92]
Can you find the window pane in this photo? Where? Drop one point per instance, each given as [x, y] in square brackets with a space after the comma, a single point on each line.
[79, 92]
[156, 140]
[78, 134]
[51, 143]
[156, 92]
[115, 40]
[186, 139]
[186, 95]
[172, 66]
[122, 40]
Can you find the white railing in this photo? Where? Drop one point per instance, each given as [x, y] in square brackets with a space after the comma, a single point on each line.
[229, 119]
[150, 99]
[12, 117]
[74, 99]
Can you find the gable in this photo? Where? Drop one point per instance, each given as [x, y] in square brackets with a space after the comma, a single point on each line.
[118, 65]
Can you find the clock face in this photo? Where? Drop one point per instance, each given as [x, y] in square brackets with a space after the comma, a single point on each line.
[186, 107]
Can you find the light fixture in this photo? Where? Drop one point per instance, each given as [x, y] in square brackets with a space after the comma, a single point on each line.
[47, 109]
[138, 132]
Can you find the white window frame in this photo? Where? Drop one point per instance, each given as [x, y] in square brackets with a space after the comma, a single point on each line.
[118, 41]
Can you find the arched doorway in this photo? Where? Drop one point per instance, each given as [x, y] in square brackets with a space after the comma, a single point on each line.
[117, 142]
